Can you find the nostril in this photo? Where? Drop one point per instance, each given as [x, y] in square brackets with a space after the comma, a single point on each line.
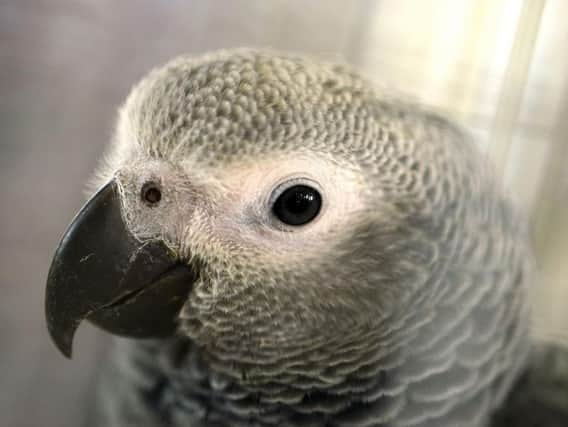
[151, 193]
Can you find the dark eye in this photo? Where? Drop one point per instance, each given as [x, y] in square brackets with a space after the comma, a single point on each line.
[297, 205]
[151, 193]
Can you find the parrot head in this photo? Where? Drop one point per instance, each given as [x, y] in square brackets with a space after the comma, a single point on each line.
[284, 215]
[235, 208]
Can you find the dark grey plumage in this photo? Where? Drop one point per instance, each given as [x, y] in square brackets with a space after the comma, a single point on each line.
[539, 398]
[404, 305]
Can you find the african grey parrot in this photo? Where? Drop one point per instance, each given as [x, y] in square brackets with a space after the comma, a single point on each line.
[297, 248]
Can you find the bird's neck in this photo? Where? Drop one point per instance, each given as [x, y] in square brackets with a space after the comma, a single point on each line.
[426, 364]
[184, 386]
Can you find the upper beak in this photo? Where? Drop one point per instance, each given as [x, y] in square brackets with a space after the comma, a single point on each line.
[101, 272]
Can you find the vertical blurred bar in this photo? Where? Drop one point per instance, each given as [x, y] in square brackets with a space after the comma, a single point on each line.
[515, 80]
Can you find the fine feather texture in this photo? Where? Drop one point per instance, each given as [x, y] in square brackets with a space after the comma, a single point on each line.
[403, 305]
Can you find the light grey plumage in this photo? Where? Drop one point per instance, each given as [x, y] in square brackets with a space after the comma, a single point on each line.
[403, 304]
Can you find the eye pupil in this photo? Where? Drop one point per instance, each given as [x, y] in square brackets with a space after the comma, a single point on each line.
[151, 193]
[297, 205]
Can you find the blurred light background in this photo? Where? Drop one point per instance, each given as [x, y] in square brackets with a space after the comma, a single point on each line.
[498, 66]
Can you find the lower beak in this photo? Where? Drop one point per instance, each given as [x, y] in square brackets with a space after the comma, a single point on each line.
[102, 273]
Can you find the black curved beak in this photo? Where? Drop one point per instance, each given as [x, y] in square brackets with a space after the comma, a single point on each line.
[102, 273]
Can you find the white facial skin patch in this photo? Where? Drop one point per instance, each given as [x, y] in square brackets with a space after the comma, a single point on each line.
[244, 193]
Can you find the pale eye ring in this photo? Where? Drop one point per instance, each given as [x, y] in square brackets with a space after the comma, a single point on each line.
[151, 194]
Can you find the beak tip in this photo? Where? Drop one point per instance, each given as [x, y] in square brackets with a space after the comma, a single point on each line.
[66, 351]
[66, 348]
[62, 338]
[64, 345]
